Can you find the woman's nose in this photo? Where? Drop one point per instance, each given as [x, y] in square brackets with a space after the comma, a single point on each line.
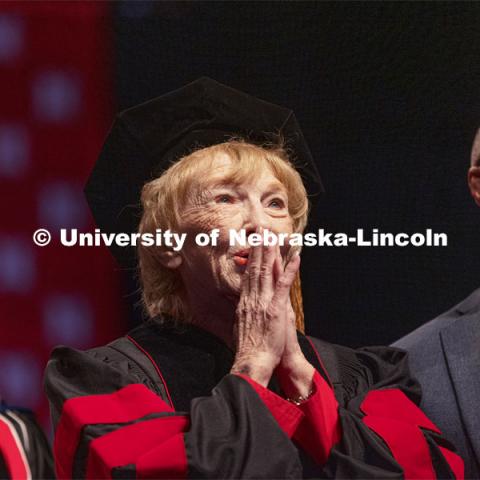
[255, 217]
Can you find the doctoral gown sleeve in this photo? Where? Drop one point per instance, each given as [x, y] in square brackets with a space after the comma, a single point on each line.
[110, 425]
[382, 432]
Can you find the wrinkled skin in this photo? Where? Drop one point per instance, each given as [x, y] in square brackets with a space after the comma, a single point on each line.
[246, 305]
[264, 203]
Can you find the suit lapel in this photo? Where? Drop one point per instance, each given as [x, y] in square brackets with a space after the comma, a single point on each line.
[461, 345]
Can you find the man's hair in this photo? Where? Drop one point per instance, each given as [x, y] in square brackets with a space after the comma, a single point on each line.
[475, 154]
[164, 197]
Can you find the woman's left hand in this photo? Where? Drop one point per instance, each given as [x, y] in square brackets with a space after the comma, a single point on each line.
[294, 372]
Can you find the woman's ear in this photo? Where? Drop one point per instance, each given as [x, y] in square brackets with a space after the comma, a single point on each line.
[170, 259]
[474, 183]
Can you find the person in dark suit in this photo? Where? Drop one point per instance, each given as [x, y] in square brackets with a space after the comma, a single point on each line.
[445, 357]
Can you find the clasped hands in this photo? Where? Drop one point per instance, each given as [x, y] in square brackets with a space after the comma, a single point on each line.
[265, 334]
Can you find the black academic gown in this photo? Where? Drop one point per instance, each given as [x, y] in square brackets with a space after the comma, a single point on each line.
[161, 403]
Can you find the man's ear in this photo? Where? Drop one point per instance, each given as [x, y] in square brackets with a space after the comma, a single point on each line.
[474, 183]
[170, 259]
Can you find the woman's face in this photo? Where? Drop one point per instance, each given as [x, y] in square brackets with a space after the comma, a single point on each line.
[216, 202]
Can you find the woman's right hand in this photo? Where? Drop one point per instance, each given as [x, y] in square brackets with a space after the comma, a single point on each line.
[261, 316]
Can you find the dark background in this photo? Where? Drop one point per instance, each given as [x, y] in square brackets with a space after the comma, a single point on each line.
[387, 95]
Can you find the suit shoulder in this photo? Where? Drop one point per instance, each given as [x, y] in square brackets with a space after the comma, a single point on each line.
[427, 334]
[424, 335]
[471, 304]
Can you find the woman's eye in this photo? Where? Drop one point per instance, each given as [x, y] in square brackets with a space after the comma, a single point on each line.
[224, 199]
[277, 203]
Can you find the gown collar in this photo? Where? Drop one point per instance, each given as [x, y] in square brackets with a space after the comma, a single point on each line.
[192, 361]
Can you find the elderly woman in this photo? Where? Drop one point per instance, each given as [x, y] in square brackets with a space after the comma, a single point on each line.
[219, 383]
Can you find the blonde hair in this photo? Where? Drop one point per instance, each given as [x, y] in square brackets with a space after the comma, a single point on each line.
[163, 198]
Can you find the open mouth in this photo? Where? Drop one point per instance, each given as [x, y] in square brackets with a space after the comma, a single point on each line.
[241, 257]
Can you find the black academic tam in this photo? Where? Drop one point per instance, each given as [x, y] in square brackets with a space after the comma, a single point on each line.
[146, 139]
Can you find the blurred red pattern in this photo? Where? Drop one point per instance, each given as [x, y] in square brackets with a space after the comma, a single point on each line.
[56, 84]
